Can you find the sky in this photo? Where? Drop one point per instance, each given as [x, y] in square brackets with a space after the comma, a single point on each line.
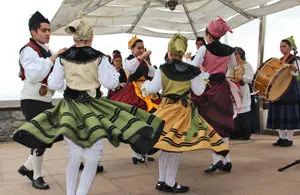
[15, 34]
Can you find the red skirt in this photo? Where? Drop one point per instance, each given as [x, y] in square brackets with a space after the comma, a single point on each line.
[127, 95]
[216, 107]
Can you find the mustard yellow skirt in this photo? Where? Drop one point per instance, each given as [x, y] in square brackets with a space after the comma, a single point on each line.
[186, 130]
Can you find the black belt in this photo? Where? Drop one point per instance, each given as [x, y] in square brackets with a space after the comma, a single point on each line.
[80, 96]
[174, 98]
[217, 77]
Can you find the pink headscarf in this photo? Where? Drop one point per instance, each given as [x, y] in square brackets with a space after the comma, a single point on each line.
[218, 28]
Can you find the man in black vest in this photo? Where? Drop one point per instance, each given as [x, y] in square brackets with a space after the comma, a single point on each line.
[36, 62]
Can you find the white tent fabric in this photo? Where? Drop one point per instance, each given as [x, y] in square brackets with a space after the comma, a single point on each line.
[152, 18]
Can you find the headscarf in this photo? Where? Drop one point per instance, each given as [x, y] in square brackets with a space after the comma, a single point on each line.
[116, 55]
[178, 45]
[241, 52]
[291, 41]
[80, 29]
[218, 28]
[37, 18]
[132, 41]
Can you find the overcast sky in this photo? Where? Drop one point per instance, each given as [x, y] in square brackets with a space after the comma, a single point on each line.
[14, 33]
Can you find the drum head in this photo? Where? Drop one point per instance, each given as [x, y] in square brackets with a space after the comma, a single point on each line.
[280, 84]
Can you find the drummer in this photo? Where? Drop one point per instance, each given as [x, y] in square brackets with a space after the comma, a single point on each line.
[284, 114]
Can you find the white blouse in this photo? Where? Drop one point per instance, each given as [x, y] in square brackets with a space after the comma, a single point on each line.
[245, 89]
[35, 67]
[107, 75]
[297, 72]
[131, 66]
[198, 84]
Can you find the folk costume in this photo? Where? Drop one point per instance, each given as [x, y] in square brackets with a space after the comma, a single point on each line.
[284, 114]
[138, 71]
[122, 78]
[185, 129]
[83, 118]
[35, 67]
[216, 103]
[242, 123]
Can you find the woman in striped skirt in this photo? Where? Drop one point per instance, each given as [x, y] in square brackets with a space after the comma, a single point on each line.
[185, 129]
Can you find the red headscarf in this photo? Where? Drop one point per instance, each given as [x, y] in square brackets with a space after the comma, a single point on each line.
[116, 55]
[218, 28]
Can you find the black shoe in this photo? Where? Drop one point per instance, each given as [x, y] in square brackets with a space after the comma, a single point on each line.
[25, 172]
[81, 167]
[286, 143]
[227, 167]
[278, 142]
[149, 158]
[176, 190]
[214, 168]
[100, 168]
[160, 185]
[136, 160]
[40, 184]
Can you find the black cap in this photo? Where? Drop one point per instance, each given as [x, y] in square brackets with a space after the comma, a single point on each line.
[36, 19]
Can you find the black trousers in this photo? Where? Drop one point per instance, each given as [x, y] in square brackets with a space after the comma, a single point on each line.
[30, 109]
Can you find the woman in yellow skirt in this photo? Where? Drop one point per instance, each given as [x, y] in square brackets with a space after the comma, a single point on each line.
[184, 129]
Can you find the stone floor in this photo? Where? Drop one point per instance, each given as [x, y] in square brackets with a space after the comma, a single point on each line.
[255, 165]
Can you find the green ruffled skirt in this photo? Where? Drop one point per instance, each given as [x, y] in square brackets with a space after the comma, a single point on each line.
[86, 123]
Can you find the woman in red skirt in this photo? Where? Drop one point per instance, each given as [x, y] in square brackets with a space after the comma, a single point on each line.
[138, 71]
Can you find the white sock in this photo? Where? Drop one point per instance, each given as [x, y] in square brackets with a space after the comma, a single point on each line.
[75, 158]
[290, 134]
[28, 163]
[216, 158]
[37, 162]
[137, 155]
[88, 174]
[282, 134]
[92, 157]
[87, 177]
[162, 165]
[172, 168]
[227, 157]
[72, 173]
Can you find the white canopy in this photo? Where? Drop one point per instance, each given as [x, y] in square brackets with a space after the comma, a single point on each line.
[153, 18]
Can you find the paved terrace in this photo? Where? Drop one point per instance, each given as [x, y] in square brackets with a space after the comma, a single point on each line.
[255, 165]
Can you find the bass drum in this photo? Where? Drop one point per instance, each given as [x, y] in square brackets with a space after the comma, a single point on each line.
[272, 79]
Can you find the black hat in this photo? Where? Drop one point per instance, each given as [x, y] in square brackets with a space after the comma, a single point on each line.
[36, 19]
[201, 39]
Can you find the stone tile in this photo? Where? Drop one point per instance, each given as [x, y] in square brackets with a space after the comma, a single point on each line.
[25, 188]
[100, 184]
[56, 166]
[255, 165]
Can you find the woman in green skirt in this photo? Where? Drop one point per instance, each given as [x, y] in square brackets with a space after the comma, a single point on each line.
[82, 118]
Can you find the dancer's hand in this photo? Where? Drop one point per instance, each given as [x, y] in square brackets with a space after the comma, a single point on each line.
[53, 58]
[188, 55]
